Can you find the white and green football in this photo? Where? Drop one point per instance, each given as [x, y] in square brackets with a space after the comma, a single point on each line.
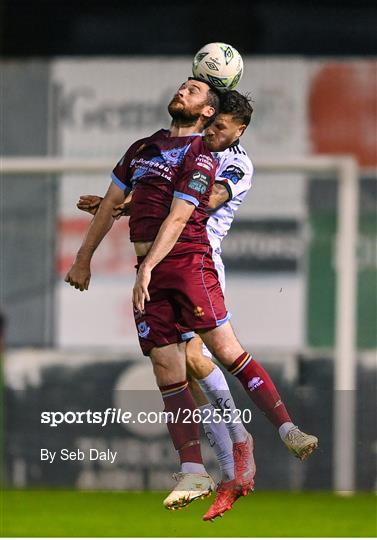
[219, 64]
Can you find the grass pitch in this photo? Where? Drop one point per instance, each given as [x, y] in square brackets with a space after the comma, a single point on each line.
[72, 513]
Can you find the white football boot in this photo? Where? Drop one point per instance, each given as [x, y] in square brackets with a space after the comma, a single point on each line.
[300, 444]
[190, 487]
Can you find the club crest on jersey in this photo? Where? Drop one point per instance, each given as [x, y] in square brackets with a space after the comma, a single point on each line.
[233, 173]
[199, 182]
[199, 311]
[175, 155]
[143, 329]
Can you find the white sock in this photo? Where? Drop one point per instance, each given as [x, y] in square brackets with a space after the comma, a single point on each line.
[193, 468]
[285, 428]
[219, 440]
[217, 391]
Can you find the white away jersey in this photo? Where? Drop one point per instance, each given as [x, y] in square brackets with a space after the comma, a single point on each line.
[235, 172]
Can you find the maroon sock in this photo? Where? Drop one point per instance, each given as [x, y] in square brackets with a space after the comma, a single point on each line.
[184, 432]
[261, 389]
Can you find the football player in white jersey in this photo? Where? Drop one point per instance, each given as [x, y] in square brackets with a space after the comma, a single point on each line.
[208, 384]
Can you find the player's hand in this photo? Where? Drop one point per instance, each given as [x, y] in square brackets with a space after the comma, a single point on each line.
[140, 291]
[123, 209]
[79, 276]
[89, 203]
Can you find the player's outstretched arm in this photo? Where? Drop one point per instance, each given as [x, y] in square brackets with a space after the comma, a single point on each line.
[89, 203]
[79, 274]
[170, 230]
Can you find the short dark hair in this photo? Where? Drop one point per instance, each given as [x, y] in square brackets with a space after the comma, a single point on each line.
[237, 105]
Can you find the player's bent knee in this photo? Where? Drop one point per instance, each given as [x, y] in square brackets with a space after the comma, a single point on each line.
[198, 365]
[227, 355]
[223, 343]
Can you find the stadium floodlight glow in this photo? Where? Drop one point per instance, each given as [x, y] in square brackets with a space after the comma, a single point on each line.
[346, 169]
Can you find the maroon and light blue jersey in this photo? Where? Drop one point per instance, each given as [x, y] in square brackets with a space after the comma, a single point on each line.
[161, 167]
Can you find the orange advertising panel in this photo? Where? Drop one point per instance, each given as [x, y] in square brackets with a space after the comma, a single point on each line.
[343, 110]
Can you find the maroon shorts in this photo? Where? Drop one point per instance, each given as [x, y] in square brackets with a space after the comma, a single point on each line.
[184, 293]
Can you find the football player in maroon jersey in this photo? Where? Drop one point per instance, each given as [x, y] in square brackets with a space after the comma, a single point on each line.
[171, 175]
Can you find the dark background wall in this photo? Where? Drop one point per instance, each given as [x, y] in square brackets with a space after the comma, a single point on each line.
[28, 207]
[271, 27]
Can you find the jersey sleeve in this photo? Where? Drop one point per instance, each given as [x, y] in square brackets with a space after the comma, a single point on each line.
[235, 173]
[196, 175]
[121, 172]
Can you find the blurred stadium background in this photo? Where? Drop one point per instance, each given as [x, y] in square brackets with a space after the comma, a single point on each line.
[83, 83]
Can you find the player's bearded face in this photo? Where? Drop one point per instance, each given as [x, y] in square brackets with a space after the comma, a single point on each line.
[223, 132]
[187, 104]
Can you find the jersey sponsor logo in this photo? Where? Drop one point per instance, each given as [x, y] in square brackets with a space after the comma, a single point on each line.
[205, 162]
[143, 329]
[142, 171]
[155, 166]
[205, 166]
[199, 182]
[233, 173]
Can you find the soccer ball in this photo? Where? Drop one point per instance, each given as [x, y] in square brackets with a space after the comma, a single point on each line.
[219, 64]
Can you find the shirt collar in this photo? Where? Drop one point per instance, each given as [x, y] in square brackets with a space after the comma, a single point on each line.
[236, 143]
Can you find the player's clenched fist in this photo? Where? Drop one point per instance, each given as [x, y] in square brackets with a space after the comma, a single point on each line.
[79, 276]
